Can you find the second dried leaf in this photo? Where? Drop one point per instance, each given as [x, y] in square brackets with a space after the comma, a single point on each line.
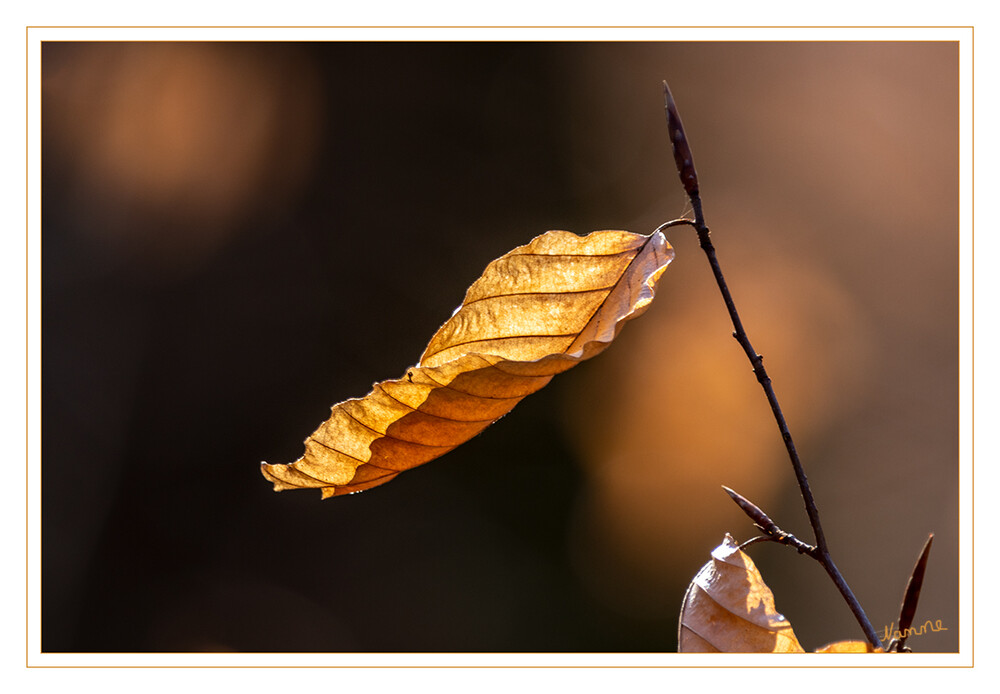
[729, 609]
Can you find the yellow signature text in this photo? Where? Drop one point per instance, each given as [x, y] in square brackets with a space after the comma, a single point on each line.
[891, 632]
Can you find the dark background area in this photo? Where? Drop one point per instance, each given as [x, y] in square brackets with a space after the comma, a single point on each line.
[236, 236]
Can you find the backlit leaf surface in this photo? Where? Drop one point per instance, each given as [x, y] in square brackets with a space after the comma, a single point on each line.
[729, 609]
[535, 312]
[850, 646]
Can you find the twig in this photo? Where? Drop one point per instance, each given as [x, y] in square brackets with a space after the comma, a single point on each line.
[689, 179]
[770, 528]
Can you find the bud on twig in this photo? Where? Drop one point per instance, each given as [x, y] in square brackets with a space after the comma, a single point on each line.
[682, 151]
[910, 598]
[764, 522]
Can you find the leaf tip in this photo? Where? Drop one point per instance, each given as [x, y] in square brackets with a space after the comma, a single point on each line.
[265, 471]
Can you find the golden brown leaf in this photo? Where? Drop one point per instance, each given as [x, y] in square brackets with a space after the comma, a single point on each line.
[535, 312]
[728, 608]
[848, 647]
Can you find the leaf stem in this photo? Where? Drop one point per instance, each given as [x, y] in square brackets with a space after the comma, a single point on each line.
[689, 179]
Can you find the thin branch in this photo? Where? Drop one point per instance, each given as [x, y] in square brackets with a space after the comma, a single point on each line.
[689, 179]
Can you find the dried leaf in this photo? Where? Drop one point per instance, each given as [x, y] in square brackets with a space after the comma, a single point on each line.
[729, 609]
[848, 647]
[535, 312]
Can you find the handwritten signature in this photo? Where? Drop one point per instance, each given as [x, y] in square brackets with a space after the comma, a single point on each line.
[891, 632]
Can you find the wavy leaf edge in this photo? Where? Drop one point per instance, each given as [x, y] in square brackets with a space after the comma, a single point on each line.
[537, 373]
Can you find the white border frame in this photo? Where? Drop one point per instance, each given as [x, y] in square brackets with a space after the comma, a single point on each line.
[34, 36]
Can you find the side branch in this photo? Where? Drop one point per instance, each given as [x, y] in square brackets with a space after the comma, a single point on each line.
[689, 179]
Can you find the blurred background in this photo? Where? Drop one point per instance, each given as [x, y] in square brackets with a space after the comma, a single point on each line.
[238, 235]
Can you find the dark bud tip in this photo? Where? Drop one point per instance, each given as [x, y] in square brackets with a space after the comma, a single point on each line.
[760, 519]
[911, 595]
[682, 150]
